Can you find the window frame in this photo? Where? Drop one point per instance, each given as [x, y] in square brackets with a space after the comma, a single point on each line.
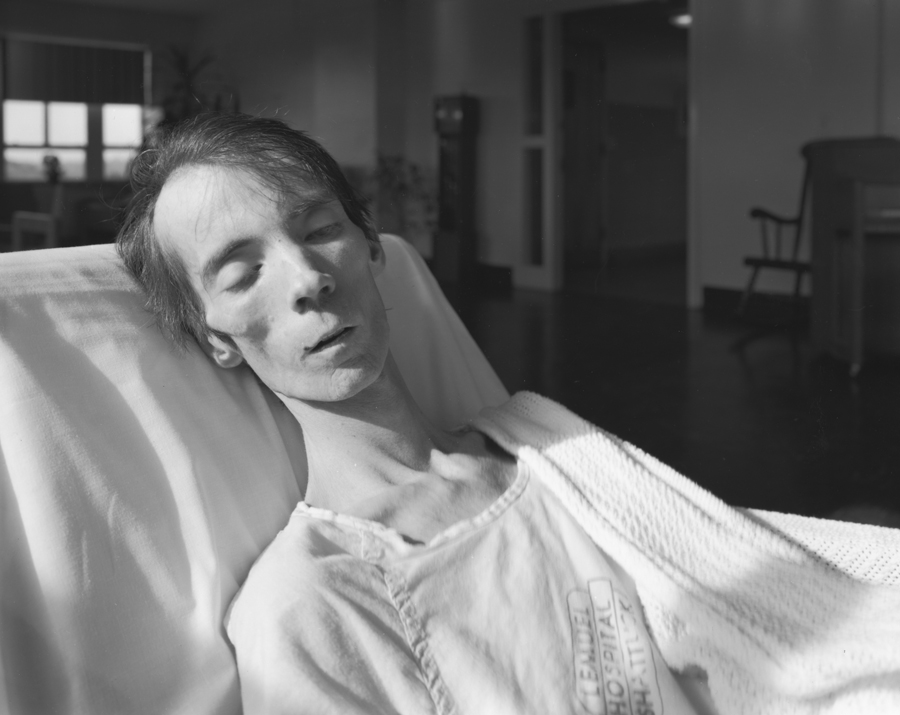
[94, 169]
[46, 147]
[94, 149]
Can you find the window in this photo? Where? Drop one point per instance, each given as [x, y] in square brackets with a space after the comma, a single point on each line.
[123, 129]
[32, 131]
[80, 104]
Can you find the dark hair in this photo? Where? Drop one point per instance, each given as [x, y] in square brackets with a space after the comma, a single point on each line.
[279, 156]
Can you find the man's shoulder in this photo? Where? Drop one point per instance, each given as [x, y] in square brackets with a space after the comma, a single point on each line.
[298, 567]
[530, 419]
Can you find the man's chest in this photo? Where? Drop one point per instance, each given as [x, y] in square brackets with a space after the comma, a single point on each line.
[422, 510]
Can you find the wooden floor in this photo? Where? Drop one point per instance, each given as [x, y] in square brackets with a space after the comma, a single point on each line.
[773, 427]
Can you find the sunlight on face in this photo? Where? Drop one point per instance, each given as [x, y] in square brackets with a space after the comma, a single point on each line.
[288, 278]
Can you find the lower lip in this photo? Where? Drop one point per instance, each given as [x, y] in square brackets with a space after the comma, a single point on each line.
[339, 340]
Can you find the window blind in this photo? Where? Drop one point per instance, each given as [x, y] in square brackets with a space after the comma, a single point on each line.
[52, 72]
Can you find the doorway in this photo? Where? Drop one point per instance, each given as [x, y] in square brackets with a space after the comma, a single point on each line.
[624, 152]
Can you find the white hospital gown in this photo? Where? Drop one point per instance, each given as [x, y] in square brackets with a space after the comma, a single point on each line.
[513, 611]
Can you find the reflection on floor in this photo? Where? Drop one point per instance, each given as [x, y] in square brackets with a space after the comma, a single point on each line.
[776, 427]
[658, 282]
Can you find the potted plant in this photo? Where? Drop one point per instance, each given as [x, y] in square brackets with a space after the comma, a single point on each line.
[406, 201]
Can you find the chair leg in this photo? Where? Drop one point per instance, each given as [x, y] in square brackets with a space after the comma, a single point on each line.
[742, 342]
[748, 291]
[795, 301]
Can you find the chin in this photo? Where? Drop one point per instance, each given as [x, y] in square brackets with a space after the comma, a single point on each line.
[343, 384]
[348, 389]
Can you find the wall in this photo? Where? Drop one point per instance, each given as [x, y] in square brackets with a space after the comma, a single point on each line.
[93, 22]
[69, 21]
[392, 67]
[421, 36]
[767, 76]
[361, 77]
[311, 64]
[63, 20]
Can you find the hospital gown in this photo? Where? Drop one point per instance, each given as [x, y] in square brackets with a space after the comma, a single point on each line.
[513, 611]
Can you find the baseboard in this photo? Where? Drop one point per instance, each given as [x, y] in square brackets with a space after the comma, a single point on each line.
[765, 308]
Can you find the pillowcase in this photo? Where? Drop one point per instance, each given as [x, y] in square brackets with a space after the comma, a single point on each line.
[138, 485]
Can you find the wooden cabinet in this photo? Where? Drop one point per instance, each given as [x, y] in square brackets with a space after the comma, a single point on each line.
[855, 230]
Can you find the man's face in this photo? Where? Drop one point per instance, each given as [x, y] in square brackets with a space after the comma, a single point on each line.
[288, 278]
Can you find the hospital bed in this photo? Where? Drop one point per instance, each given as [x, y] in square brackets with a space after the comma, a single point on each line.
[138, 484]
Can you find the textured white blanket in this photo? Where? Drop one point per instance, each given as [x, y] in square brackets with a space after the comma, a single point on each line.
[785, 614]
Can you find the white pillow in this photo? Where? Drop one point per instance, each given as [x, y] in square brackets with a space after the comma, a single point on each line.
[137, 485]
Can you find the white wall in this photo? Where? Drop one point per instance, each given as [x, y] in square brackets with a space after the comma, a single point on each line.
[94, 22]
[421, 36]
[62, 20]
[392, 68]
[767, 76]
[311, 64]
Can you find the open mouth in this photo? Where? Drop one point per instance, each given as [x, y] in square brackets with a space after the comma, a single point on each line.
[329, 339]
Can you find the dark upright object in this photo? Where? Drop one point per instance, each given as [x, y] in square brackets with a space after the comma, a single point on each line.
[855, 186]
[456, 122]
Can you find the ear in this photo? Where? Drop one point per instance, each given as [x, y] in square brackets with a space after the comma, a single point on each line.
[221, 352]
[377, 258]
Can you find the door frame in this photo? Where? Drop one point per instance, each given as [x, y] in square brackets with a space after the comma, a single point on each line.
[548, 276]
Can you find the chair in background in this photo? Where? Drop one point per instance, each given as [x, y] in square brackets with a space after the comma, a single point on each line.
[31, 222]
[781, 237]
[44, 225]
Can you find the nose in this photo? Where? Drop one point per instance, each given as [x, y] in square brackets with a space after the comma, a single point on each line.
[308, 279]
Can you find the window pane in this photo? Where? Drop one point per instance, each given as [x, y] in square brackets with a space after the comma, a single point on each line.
[115, 163]
[23, 164]
[28, 164]
[67, 124]
[23, 122]
[73, 163]
[122, 124]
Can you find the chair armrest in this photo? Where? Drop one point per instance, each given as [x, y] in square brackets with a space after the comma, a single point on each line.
[757, 212]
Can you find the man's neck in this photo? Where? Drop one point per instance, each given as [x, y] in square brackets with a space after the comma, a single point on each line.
[359, 447]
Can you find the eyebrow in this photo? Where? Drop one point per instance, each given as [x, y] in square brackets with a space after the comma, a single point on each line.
[309, 204]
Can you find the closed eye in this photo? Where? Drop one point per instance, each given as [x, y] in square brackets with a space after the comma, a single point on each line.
[324, 232]
[246, 279]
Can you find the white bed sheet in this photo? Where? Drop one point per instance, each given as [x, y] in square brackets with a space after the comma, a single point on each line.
[138, 485]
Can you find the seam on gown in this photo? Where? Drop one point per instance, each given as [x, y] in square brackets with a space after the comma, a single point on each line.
[418, 642]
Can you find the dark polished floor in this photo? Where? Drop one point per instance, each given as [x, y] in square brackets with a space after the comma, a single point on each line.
[775, 426]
